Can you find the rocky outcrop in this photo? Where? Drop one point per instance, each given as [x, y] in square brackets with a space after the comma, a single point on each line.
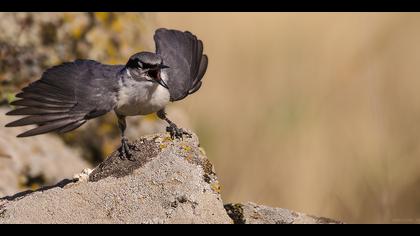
[168, 181]
[251, 213]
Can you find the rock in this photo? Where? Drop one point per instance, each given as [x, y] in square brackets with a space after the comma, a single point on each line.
[167, 182]
[33, 162]
[251, 213]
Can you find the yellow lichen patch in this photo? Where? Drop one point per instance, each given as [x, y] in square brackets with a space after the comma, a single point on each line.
[117, 25]
[167, 139]
[186, 148]
[67, 17]
[151, 117]
[113, 61]
[22, 181]
[108, 147]
[70, 137]
[111, 50]
[105, 128]
[102, 16]
[215, 186]
[10, 97]
[34, 186]
[76, 32]
[162, 146]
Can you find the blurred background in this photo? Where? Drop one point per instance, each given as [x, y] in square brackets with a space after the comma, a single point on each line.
[315, 112]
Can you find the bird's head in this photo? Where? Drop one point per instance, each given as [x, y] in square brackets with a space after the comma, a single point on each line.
[146, 66]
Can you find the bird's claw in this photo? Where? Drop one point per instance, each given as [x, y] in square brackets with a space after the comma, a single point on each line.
[125, 150]
[175, 132]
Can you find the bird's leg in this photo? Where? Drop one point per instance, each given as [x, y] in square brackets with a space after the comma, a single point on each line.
[173, 129]
[125, 149]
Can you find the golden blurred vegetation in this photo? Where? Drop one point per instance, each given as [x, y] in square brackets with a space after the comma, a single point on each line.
[32, 42]
[315, 112]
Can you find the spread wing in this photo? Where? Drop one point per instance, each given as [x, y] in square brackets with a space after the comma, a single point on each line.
[183, 53]
[66, 97]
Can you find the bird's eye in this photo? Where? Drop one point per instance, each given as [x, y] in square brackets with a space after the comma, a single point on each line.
[152, 73]
[148, 66]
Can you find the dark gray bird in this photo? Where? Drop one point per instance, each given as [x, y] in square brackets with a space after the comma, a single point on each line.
[72, 93]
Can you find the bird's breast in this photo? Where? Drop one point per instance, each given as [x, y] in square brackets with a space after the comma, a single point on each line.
[141, 98]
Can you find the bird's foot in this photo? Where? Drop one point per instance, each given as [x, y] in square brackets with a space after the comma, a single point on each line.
[175, 132]
[125, 150]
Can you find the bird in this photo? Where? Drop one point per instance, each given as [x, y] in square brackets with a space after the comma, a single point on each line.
[72, 93]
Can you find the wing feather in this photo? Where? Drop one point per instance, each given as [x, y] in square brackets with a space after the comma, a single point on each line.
[49, 127]
[183, 53]
[66, 97]
[45, 97]
[36, 103]
[72, 126]
[36, 111]
[38, 119]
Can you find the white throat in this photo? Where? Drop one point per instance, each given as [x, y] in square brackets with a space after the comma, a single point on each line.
[141, 97]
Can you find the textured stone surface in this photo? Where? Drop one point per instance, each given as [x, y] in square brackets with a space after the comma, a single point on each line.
[168, 182]
[32, 162]
[251, 213]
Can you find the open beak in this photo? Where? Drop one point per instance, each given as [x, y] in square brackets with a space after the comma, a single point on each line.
[160, 80]
[162, 66]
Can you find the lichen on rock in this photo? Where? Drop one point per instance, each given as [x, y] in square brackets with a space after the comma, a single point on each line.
[158, 186]
[173, 184]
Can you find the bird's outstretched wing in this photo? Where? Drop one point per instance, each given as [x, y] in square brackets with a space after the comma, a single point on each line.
[66, 97]
[183, 53]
